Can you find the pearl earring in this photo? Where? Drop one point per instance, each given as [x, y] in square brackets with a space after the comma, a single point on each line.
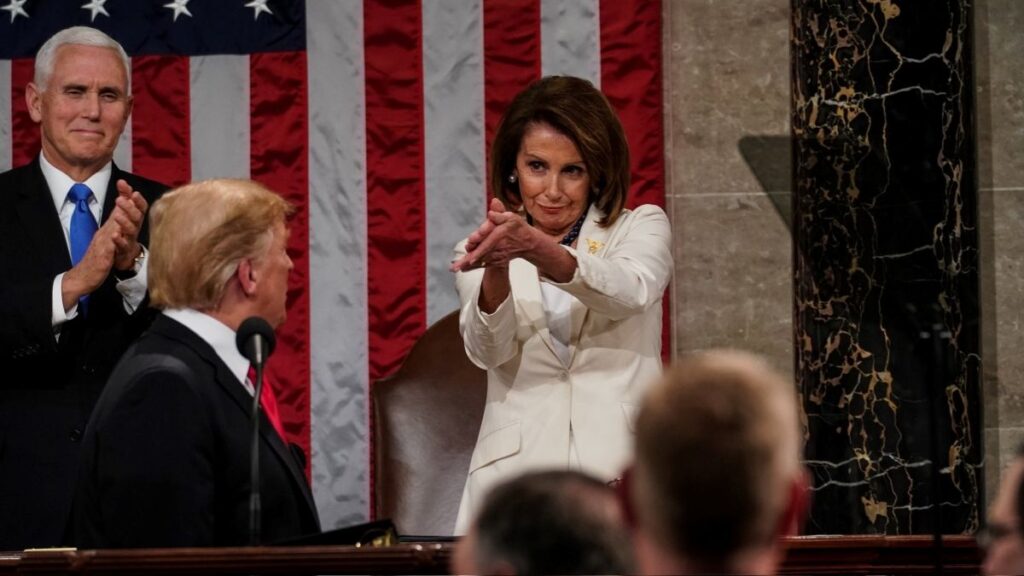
[512, 178]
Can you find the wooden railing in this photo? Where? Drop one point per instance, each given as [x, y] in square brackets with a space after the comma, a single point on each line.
[825, 555]
[880, 555]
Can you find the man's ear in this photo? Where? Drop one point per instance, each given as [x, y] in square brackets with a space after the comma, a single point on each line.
[798, 501]
[34, 101]
[245, 277]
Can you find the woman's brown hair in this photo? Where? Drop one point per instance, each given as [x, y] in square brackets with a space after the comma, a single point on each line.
[574, 107]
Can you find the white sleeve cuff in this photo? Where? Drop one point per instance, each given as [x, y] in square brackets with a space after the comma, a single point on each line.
[58, 315]
[501, 316]
[576, 275]
[133, 290]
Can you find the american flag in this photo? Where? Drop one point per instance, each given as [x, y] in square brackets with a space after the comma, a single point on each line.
[374, 118]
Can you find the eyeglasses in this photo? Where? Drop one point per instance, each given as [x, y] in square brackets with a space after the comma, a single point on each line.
[993, 533]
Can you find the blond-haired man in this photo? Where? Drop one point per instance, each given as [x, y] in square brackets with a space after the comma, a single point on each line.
[166, 453]
[717, 475]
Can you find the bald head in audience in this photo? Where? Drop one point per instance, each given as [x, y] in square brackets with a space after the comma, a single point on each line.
[717, 479]
[557, 522]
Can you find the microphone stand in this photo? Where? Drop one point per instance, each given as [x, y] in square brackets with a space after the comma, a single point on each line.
[254, 457]
[255, 341]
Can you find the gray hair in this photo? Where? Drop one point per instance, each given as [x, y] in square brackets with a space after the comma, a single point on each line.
[80, 36]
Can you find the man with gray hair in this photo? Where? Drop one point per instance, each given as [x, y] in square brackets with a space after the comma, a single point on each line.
[717, 478]
[72, 277]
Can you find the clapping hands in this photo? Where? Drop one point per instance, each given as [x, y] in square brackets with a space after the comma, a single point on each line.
[503, 236]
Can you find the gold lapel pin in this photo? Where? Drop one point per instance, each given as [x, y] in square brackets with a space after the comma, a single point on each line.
[593, 246]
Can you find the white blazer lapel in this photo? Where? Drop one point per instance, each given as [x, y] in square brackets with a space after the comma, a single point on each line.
[592, 240]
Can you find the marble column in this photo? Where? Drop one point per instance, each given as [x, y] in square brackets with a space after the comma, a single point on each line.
[886, 264]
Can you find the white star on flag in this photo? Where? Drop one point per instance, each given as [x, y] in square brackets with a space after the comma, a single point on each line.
[95, 7]
[180, 7]
[15, 8]
[257, 7]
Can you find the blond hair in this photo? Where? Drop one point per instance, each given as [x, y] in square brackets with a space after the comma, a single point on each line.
[717, 451]
[199, 234]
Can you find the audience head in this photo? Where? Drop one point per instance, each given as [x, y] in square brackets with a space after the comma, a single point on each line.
[219, 246]
[717, 478]
[81, 98]
[1004, 548]
[578, 110]
[557, 522]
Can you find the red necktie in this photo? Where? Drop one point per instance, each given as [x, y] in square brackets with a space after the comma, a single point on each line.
[268, 401]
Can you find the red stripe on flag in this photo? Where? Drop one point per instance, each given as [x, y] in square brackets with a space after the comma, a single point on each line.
[511, 57]
[161, 137]
[25, 138]
[631, 77]
[279, 158]
[395, 204]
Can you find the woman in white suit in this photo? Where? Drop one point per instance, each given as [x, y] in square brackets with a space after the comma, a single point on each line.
[561, 289]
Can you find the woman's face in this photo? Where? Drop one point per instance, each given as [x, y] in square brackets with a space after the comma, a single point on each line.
[553, 181]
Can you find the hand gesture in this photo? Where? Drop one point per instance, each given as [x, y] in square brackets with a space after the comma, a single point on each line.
[86, 276]
[503, 236]
[129, 214]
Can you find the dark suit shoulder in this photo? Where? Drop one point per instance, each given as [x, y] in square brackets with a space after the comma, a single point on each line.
[155, 351]
[169, 346]
[159, 377]
[154, 372]
[15, 174]
[25, 179]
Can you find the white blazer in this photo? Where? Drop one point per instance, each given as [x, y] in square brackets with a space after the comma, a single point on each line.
[615, 352]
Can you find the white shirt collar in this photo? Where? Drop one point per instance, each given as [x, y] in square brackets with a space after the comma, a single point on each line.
[60, 183]
[218, 336]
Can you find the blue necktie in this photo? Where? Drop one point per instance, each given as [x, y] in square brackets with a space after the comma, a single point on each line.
[83, 227]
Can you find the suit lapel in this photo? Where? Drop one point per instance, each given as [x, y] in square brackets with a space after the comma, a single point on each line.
[41, 222]
[593, 239]
[526, 285]
[268, 435]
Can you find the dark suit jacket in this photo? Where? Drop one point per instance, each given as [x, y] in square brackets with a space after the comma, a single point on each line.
[48, 388]
[165, 457]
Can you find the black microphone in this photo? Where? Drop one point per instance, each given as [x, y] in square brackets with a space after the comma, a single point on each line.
[255, 340]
